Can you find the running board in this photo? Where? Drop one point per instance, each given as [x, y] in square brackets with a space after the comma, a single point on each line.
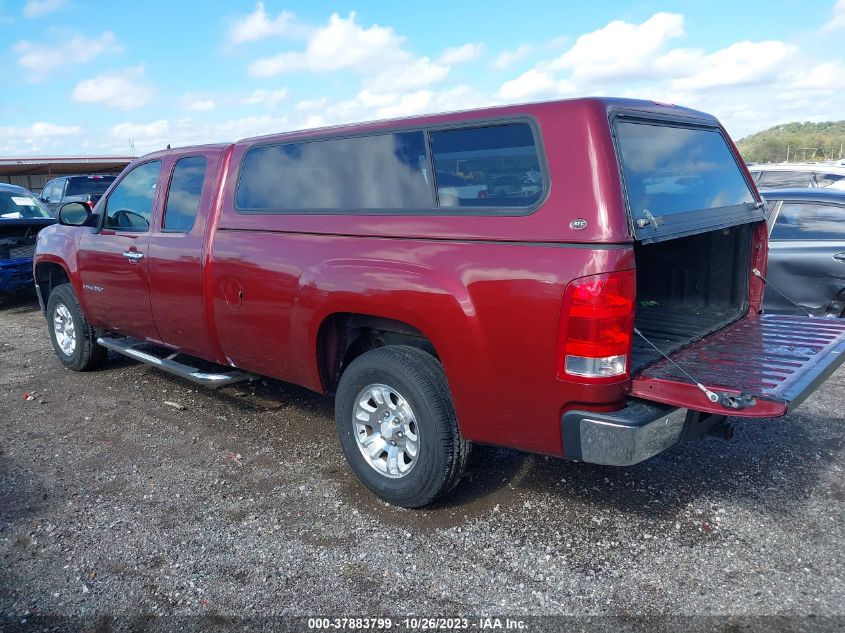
[126, 346]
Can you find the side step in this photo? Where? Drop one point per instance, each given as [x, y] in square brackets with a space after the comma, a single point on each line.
[127, 347]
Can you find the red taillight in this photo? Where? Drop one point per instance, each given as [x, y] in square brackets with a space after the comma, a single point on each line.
[482, 194]
[596, 326]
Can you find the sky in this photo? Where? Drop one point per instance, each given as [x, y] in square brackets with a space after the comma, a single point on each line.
[113, 78]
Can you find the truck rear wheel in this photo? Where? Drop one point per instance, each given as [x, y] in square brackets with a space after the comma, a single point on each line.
[397, 425]
[73, 338]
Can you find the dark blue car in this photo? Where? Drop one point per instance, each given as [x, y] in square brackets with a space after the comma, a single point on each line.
[806, 251]
[22, 216]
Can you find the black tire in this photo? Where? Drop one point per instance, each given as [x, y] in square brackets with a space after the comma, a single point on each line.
[86, 354]
[442, 454]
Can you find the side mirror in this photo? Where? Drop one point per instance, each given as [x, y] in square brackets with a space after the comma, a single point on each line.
[73, 214]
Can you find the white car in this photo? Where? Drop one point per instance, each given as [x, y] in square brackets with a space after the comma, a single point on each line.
[791, 175]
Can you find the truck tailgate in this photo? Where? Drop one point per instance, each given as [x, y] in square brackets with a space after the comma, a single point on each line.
[778, 359]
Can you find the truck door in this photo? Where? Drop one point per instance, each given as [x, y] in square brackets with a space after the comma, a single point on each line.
[113, 261]
[176, 254]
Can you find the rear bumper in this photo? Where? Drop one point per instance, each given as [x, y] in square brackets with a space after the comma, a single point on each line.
[15, 274]
[622, 438]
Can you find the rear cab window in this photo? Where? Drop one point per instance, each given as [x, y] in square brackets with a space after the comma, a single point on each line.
[487, 167]
[681, 179]
[82, 185]
[483, 167]
[183, 196]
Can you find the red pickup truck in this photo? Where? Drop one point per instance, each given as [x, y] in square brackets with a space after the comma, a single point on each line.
[577, 278]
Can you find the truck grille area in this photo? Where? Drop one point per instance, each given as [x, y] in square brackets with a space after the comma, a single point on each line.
[17, 247]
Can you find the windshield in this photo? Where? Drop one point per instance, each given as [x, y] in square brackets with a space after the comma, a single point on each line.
[23, 205]
[670, 169]
[81, 185]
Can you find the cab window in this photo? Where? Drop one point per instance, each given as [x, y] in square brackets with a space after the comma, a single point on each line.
[490, 166]
[130, 205]
[183, 197]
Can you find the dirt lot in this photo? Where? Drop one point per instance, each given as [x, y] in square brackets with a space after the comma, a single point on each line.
[114, 502]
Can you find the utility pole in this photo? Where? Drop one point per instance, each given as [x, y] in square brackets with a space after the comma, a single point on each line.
[787, 153]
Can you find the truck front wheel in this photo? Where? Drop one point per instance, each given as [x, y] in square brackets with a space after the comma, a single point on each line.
[73, 338]
[397, 425]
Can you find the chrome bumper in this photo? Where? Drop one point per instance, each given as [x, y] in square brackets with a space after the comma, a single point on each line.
[622, 438]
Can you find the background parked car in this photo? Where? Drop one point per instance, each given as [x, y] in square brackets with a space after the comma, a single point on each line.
[806, 250]
[22, 215]
[784, 176]
[74, 189]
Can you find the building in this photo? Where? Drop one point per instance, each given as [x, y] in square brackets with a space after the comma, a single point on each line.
[33, 172]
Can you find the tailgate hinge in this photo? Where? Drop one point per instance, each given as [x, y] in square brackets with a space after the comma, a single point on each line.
[736, 401]
[649, 219]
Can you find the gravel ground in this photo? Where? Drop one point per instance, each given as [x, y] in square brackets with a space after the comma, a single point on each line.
[238, 502]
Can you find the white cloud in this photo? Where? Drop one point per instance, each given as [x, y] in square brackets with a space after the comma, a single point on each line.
[390, 73]
[125, 89]
[618, 52]
[411, 74]
[37, 8]
[750, 85]
[153, 135]
[258, 26]
[506, 59]
[311, 104]
[266, 98]
[38, 137]
[620, 49]
[144, 131]
[197, 103]
[423, 101]
[534, 84]
[368, 105]
[76, 50]
[40, 129]
[824, 77]
[741, 63]
[638, 61]
[461, 54]
[342, 43]
[837, 17]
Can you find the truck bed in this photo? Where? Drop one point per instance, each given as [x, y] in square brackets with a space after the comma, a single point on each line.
[672, 328]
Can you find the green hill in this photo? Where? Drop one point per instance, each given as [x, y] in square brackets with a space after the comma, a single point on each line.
[804, 141]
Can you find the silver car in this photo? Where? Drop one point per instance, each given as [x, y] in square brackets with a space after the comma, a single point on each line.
[806, 251]
[793, 175]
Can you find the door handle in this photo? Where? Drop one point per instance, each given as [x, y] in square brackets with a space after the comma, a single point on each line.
[840, 257]
[133, 256]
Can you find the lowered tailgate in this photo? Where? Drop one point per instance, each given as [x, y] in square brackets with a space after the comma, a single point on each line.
[778, 359]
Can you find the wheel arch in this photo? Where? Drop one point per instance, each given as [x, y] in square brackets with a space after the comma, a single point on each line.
[48, 275]
[344, 336]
